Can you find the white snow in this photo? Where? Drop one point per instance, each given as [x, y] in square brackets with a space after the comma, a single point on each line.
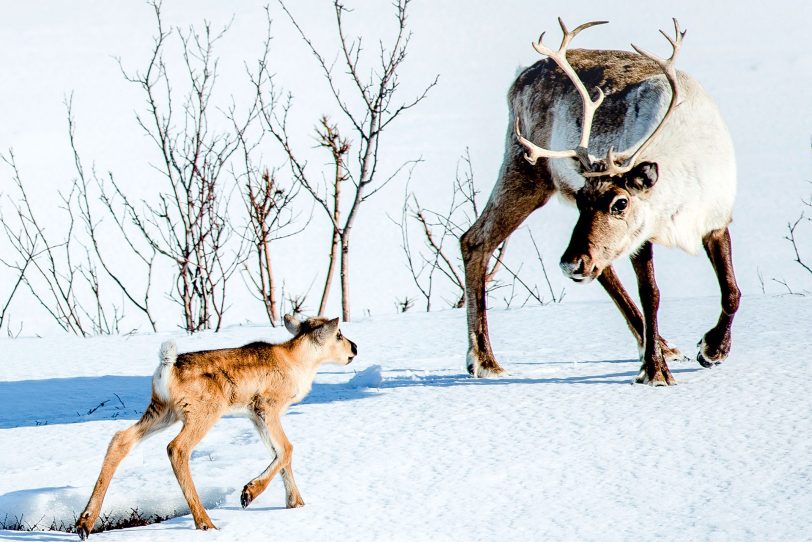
[402, 444]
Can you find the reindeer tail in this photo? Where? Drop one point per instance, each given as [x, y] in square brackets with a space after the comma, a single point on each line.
[163, 373]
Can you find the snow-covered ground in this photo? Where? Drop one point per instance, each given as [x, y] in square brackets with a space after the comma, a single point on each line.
[565, 448]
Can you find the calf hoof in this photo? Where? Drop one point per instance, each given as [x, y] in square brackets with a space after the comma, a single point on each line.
[709, 356]
[205, 525]
[482, 366]
[246, 497]
[84, 526]
[295, 502]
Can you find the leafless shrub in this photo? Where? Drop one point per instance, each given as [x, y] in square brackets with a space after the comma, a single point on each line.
[87, 195]
[61, 274]
[370, 108]
[106, 522]
[795, 232]
[792, 229]
[270, 218]
[188, 225]
[405, 304]
[296, 304]
[441, 230]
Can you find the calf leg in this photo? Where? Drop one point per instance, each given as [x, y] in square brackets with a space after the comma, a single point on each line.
[269, 427]
[518, 192]
[156, 418]
[611, 283]
[195, 427]
[655, 370]
[715, 345]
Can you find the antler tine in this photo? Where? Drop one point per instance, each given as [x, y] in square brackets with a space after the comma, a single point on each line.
[585, 26]
[667, 65]
[534, 152]
[612, 169]
[589, 105]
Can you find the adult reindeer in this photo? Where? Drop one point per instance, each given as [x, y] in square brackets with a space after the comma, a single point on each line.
[676, 189]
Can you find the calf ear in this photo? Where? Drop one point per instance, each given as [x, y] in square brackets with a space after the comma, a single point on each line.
[292, 324]
[328, 329]
[642, 177]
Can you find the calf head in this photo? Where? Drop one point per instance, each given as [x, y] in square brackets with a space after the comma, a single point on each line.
[612, 221]
[325, 335]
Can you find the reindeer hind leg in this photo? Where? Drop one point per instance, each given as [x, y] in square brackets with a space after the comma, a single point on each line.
[157, 417]
[179, 450]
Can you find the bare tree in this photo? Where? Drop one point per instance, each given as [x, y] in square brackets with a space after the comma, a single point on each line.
[270, 217]
[792, 229]
[189, 225]
[85, 210]
[437, 229]
[60, 274]
[19, 268]
[367, 112]
[338, 147]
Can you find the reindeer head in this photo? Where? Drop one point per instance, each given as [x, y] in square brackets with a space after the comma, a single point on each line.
[325, 335]
[612, 221]
[612, 201]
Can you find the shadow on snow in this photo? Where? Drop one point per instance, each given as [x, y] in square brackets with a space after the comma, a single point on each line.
[31, 403]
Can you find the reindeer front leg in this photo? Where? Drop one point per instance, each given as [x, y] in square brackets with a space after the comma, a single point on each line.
[634, 319]
[269, 427]
[520, 190]
[654, 370]
[715, 345]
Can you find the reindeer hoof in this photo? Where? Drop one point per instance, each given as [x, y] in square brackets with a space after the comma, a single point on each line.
[205, 525]
[246, 497]
[296, 502]
[709, 357]
[672, 353]
[483, 366]
[661, 377]
[84, 526]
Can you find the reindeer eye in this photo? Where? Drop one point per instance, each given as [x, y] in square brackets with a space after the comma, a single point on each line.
[619, 205]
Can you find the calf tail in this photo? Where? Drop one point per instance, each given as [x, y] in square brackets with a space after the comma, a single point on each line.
[163, 373]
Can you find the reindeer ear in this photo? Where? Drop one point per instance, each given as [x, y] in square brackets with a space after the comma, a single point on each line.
[642, 177]
[325, 331]
[292, 324]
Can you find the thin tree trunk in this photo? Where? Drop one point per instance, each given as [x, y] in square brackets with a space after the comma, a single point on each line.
[345, 275]
[270, 301]
[338, 154]
[330, 269]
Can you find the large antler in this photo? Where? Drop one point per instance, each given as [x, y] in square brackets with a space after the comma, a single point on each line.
[534, 152]
[667, 65]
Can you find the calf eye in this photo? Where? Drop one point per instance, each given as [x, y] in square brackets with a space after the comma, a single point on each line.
[619, 206]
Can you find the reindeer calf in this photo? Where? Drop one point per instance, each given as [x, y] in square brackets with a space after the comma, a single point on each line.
[259, 379]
